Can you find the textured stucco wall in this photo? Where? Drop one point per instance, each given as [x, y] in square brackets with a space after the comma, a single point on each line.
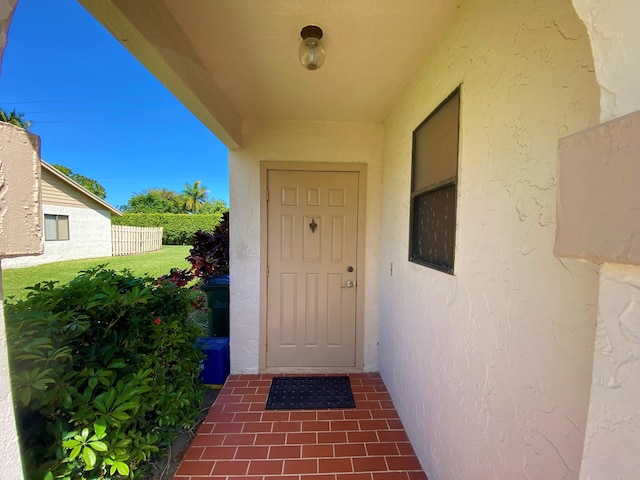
[613, 427]
[598, 194]
[9, 449]
[20, 234]
[294, 142]
[615, 41]
[613, 432]
[490, 368]
[20, 220]
[6, 12]
[89, 236]
[10, 464]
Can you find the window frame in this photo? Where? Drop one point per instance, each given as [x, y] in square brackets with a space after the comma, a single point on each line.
[434, 188]
[57, 219]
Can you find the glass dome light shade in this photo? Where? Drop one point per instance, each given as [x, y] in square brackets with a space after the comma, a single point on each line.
[311, 52]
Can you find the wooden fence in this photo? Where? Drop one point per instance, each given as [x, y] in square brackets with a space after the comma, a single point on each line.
[127, 240]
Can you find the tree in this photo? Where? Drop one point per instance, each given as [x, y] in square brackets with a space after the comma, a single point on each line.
[162, 200]
[15, 118]
[155, 200]
[88, 183]
[195, 195]
[213, 207]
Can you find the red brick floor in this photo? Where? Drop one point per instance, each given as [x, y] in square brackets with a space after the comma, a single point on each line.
[239, 440]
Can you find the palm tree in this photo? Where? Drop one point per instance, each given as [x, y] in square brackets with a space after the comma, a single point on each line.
[15, 118]
[194, 195]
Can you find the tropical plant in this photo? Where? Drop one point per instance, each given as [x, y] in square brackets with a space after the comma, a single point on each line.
[15, 118]
[194, 196]
[104, 372]
[210, 253]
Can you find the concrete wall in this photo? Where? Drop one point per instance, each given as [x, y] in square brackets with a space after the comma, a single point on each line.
[294, 142]
[89, 236]
[490, 368]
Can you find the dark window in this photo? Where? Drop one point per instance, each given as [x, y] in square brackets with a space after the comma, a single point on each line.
[56, 227]
[434, 178]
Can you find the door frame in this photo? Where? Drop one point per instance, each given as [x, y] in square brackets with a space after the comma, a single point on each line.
[361, 170]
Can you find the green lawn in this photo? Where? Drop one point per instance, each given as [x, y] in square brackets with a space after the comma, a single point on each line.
[154, 264]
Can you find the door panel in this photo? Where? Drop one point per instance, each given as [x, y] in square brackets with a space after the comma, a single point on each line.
[311, 243]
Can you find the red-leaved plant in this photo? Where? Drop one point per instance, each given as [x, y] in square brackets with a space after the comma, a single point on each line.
[181, 277]
[209, 256]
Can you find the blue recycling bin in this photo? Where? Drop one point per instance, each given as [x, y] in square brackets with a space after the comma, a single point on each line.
[216, 364]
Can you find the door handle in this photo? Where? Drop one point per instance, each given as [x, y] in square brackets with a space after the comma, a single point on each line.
[349, 284]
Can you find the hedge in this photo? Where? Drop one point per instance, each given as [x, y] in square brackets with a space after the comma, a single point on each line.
[178, 228]
[104, 373]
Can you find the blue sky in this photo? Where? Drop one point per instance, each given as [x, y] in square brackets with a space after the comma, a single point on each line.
[98, 111]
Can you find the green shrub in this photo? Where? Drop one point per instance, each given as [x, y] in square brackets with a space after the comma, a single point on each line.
[178, 228]
[104, 373]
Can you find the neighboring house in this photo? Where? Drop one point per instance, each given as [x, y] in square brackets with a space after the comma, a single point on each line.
[503, 360]
[76, 223]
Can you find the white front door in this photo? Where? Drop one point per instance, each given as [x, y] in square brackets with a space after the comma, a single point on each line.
[312, 228]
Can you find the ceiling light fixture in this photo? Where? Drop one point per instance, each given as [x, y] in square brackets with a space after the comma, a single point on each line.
[311, 51]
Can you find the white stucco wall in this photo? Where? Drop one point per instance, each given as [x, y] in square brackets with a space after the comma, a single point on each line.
[613, 428]
[294, 142]
[89, 236]
[490, 368]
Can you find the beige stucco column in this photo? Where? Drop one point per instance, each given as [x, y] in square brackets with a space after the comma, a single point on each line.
[612, 437]
[20, 234]
[599, 221]
[11, 191]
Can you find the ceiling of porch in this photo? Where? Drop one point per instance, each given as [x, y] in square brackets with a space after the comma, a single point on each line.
[230, 61]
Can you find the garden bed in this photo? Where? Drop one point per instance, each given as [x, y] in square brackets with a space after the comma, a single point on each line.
[104, 372]
[165, 468]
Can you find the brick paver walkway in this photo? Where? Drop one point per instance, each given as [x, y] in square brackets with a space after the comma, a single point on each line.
[239, 440]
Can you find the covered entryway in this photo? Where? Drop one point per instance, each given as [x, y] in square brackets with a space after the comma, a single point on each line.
[312, 268]
[499, 354]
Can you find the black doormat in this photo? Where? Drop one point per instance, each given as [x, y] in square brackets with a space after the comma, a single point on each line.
[310, 393]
